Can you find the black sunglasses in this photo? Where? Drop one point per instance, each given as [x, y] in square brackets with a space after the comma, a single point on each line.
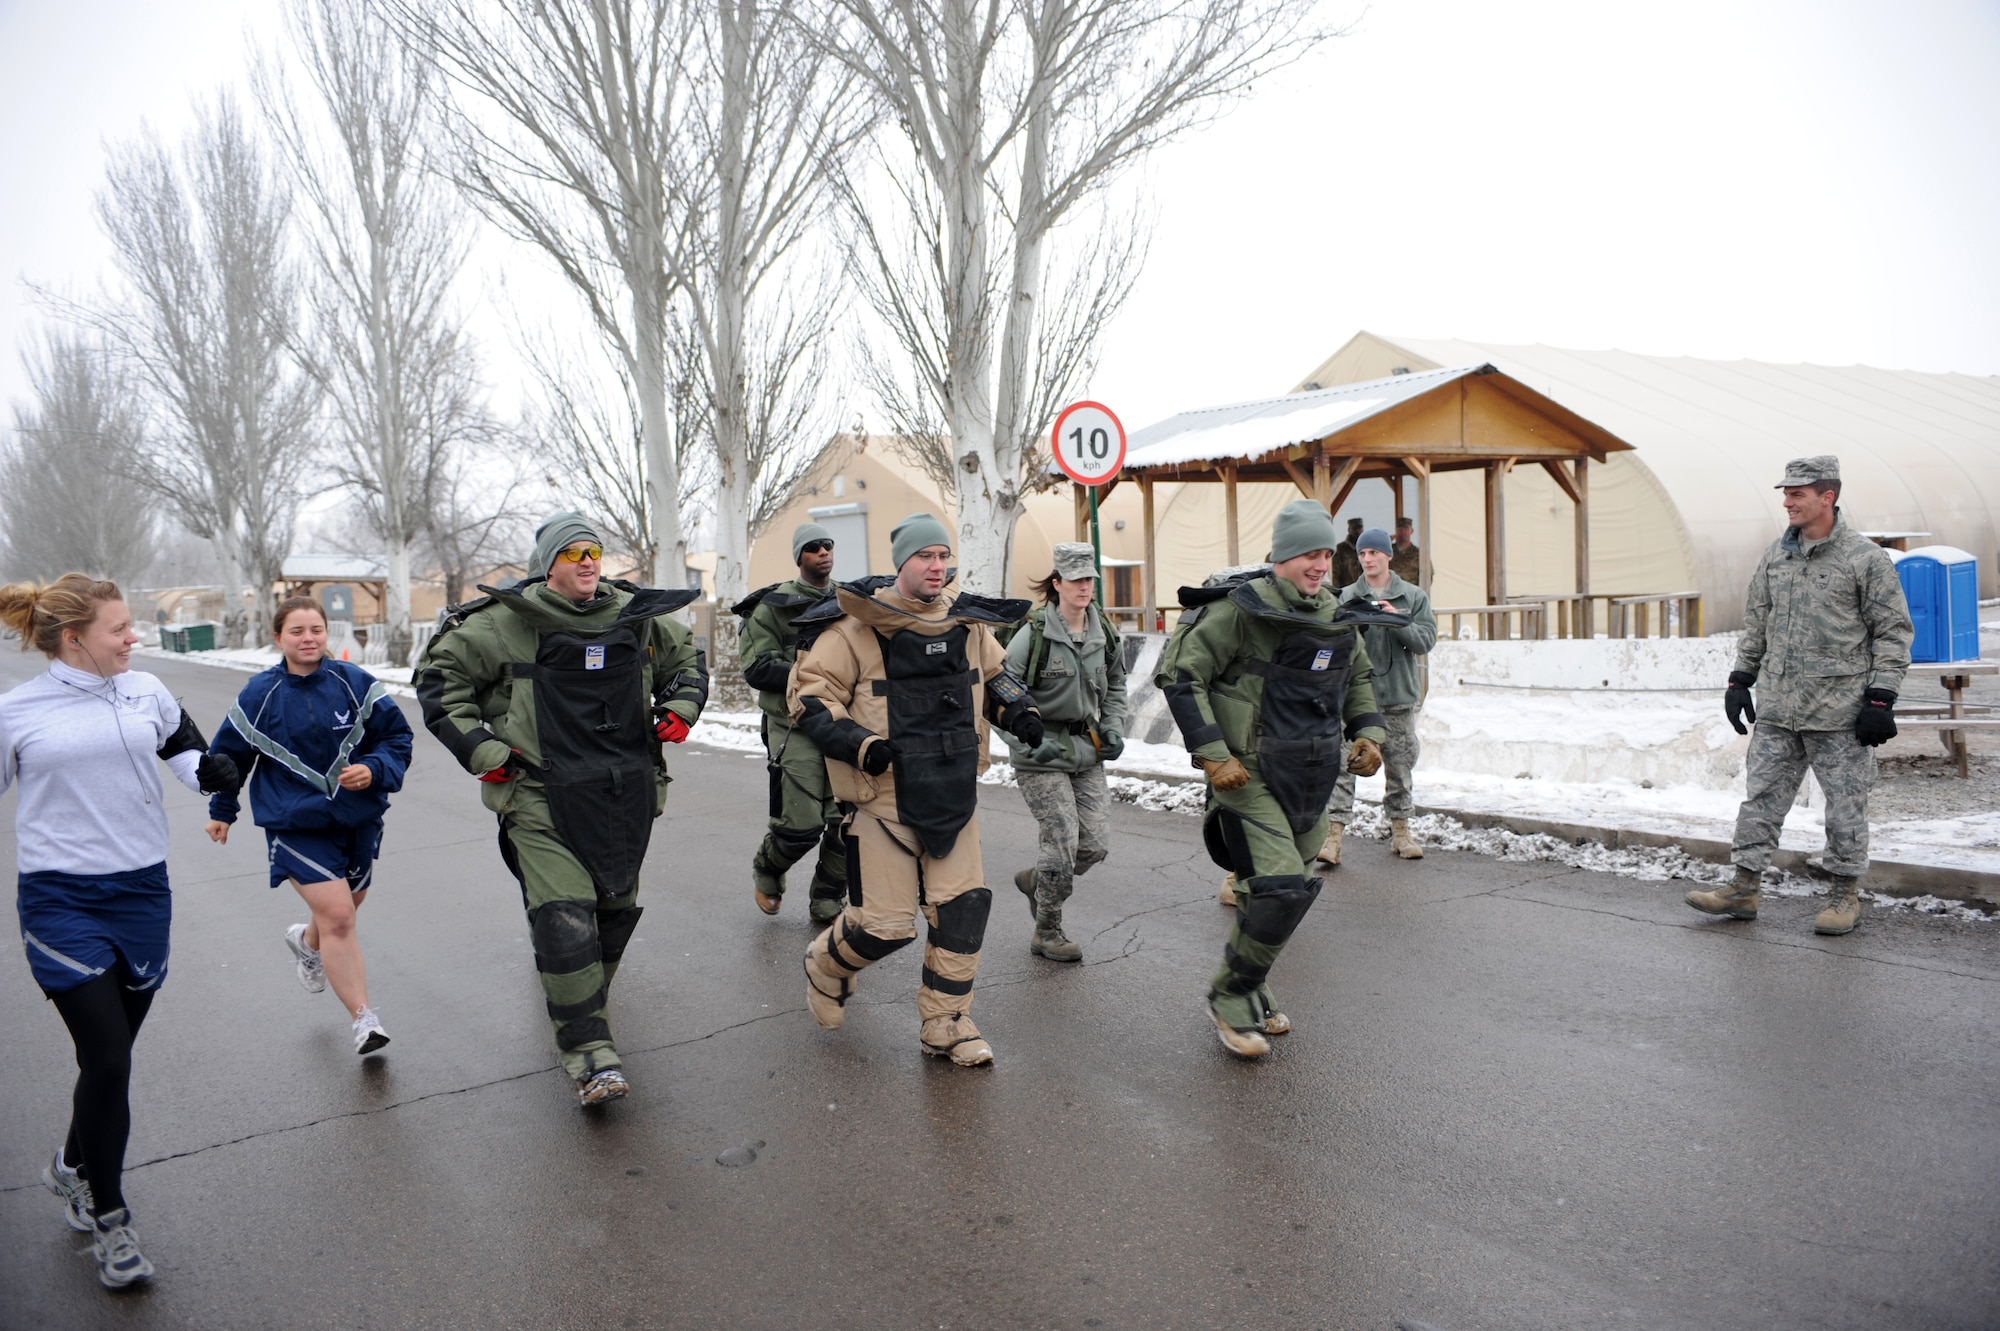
[814, 547]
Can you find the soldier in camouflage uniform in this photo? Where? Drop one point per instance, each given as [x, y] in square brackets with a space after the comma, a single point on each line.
[1393, 651]
[1071, 658]
[804, 813]
[1826, 640]
[1346, 561]
[1406, 560]
[1263, 683]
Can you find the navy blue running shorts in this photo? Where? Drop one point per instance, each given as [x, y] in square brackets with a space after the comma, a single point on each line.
[77, 927]
[323, 855]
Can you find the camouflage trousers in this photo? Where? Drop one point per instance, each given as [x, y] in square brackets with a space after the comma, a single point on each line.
[1071, 809]
[1399, 764]
[1773, 773]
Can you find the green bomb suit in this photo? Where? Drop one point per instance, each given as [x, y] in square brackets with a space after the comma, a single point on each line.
[804, 813]
[1260, 672]
[564, 694]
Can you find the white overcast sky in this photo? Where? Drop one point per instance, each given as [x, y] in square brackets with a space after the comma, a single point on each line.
[1777, 179]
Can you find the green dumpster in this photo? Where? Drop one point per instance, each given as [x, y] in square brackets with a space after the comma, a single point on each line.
[187, 637]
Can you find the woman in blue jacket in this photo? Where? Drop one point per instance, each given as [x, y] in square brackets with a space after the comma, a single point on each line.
[324, 746]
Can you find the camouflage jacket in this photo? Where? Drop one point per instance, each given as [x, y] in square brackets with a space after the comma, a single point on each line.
[1822, 624]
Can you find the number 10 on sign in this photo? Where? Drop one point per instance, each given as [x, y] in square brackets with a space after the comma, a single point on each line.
[1089, 445]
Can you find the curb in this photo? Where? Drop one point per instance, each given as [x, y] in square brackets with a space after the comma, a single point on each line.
[1894, 878]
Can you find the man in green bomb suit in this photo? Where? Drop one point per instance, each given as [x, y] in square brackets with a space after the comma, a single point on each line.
[804, 813]
[1262, 681]
[558, 694]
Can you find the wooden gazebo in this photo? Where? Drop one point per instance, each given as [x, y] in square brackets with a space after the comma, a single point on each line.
[1328, 440]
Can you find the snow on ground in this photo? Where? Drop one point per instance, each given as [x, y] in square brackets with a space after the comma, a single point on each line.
[1159, 777]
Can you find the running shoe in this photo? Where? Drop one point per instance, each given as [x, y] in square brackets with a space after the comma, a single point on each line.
[74, 1189]
[116, 1247]
[368, 1033]
[601, 1087]
[312, 975]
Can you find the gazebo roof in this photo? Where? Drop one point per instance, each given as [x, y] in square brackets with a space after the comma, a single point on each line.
[1447, 419]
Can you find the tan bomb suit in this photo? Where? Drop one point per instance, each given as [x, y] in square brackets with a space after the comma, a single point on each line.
[924, 679]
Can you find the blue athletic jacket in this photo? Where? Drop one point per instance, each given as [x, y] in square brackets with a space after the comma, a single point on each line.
[293, 733]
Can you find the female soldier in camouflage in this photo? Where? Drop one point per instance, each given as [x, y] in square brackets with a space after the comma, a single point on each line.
[1072, 660]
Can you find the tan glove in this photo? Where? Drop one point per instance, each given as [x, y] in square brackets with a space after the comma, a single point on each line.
[1225, 775]
[1364, 757]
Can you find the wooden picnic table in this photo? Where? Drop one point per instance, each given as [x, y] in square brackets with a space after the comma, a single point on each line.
[1955, 676]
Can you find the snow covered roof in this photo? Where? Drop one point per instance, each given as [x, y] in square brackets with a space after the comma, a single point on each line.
[1918, 452]
[334, 568]
[1254, 429]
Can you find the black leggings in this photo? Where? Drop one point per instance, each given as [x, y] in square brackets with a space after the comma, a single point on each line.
[103, 1017]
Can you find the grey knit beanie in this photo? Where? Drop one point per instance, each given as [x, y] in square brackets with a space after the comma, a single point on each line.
[913, 534]
[805, 534]
[1374, 539]
[558, 531]
[1300, 526]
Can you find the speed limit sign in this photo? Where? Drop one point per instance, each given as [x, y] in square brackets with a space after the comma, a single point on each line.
[1089, 443]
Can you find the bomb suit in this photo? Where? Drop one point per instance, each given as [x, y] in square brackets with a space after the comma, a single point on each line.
[1263, 674]
[568, 699]
[804, 813]
[924, 679]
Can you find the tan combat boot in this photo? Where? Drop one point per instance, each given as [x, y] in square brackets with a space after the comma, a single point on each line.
[1738, 900]
[1243, 1044]
[1402, 842]
[1228, 896]
[1843, 912]
[1330, 852]
[766, 889]
[828, 984]
[956, 1038]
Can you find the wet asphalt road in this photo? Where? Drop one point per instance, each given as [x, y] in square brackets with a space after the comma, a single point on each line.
[1517, 1096]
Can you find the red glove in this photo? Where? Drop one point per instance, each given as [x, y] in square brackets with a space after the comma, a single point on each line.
[671, 729]
[503, 773]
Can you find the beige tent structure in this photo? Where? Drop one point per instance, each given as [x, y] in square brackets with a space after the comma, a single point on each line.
[1694, 504]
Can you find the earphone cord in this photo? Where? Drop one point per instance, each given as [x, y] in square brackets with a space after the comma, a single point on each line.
[109, 696]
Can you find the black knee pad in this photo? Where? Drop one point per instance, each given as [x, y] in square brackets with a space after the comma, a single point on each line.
[1276, 906]
[961, 922]
[614, 930]
[1222, 834]
[583, 1031]
[565, 936]
[858, 942]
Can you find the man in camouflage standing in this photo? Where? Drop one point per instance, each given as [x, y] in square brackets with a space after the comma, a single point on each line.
[1827, 632]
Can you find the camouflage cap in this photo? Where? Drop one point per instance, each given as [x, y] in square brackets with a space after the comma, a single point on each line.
[1073, 560]
[1810, 471]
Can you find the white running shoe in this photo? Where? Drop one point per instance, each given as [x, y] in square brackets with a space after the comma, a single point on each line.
[116, 1247]
[74, 1189]
[312, 975]
[368, 1033]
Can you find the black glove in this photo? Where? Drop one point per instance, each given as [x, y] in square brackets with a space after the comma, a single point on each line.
[1877, 722]
[880, 754]
[1113, 745]
[216, 774]
[1028, 729]
[1736, 702]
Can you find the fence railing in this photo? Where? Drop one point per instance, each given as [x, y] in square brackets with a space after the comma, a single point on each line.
[1576, 615]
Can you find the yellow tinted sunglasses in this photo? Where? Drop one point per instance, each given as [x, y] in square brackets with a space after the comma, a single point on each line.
[576, 554]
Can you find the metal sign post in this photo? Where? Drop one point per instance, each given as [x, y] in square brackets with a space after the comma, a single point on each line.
[1089, 445]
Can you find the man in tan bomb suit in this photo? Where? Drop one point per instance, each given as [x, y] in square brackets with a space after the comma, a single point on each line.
[896, 685]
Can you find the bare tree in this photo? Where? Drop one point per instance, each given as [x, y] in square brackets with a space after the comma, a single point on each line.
[387, 346]
[1016, 114]
[475, 516]
[67, 497]
[587, 429]
[568, 113]
[770, 115]
[205, 322]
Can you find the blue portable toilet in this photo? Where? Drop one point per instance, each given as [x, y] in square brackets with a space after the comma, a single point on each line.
[1941, 583]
